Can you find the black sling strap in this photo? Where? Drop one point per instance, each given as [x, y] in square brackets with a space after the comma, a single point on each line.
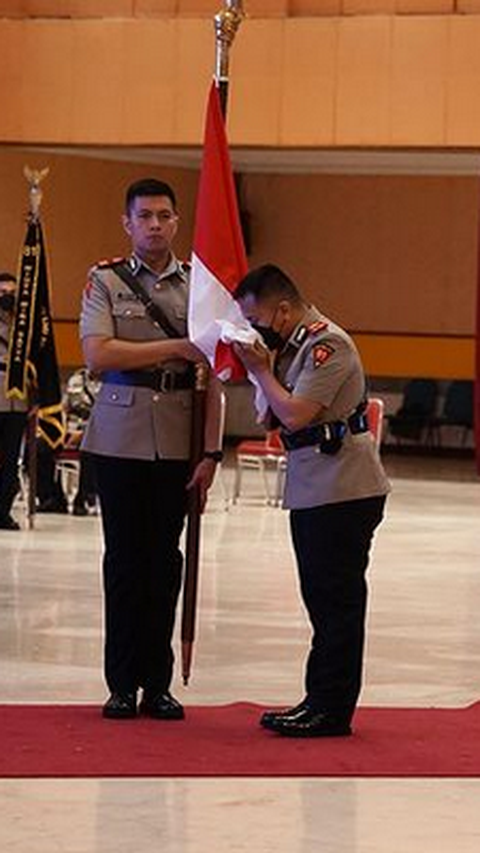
[154, 311]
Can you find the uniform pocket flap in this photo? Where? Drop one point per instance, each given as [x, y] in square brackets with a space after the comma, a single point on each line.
[116, 395]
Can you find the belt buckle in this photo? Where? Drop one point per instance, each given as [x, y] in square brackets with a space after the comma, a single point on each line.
[167, 381]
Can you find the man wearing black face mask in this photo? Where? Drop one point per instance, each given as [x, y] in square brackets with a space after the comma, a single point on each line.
[13, 413]
[335, 487]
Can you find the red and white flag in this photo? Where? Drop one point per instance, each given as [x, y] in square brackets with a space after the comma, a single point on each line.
[219, 261]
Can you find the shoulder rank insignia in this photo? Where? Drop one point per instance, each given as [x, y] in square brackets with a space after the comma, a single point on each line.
[107, 263]
[317, 326]
[321, 354]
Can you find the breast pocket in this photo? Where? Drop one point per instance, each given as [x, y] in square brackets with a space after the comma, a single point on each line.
[132, 321]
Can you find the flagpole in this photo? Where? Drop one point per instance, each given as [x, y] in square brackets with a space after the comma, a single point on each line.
[226, 23]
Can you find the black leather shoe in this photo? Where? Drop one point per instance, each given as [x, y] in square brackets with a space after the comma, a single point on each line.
[79, 508]
[53, 505]
[311, 723]
[268, 718]
[161, 706]
[120, 706]
[8, 523]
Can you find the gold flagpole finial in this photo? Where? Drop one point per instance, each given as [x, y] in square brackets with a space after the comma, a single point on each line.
[34, 178]
[226, 23]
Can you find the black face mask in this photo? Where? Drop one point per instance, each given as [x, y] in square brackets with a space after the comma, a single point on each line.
[272, 339]
[7, 301]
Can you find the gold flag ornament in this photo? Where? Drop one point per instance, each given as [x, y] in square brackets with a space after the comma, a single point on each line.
[32, 367]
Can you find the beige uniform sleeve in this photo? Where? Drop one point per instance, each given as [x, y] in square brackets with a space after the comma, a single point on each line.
[96, 316]
[328, 364]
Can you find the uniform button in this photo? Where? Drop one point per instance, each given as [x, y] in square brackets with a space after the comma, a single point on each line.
[114, 395]
[156, 398]
[157, 286]
[128, 313]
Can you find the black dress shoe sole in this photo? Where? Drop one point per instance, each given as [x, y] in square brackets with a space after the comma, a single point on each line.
[313, 731]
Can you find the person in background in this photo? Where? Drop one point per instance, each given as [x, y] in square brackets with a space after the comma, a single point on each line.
[80, 392]
[13, 413]
[134, 333]
[311, 375]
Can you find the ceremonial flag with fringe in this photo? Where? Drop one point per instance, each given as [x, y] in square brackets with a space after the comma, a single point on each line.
[219, 260]
[32, 367]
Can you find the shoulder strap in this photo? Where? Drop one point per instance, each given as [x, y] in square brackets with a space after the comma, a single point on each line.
[153, 310]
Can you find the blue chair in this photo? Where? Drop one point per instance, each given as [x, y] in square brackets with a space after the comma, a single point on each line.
[457, 408]
[414, 420]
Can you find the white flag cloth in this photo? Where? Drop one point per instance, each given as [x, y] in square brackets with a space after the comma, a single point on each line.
[218, 259]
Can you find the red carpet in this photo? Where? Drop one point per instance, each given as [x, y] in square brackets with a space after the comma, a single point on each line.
[73, 740]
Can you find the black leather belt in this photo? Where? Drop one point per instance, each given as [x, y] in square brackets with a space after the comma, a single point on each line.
[328, 436]
[157, 380]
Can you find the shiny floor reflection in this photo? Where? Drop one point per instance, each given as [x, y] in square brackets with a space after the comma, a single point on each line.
[423, 649]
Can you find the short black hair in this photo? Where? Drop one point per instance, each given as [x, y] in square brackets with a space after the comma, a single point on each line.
[148, 187]
[267, 281]
[7, 276]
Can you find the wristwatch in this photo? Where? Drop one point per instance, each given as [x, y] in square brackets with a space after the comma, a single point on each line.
[216, 455]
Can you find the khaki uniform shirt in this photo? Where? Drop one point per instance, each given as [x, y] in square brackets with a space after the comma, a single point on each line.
[7, 405]
[320, 362]
[131, 421]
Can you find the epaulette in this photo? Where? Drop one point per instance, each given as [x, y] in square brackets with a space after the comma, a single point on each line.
[106, 264]
[317, 326]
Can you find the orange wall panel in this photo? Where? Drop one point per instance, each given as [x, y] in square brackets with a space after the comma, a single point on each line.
[363, 92]
[419, 75]
[155, 8]
[308, 90]
[254, 117]
[417, 356]
[426, 7]
[472, 6]
[12, 34]
[194, 68]
[463, 86]
[78, 8]
[12, 8]
[99, 77]
[313, 8]
[368, 7]
[46, 95]
[149, 107]
[359, 80]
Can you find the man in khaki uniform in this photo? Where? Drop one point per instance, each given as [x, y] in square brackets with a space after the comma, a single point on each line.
[335, 487]
[13, 413]
[139, 436]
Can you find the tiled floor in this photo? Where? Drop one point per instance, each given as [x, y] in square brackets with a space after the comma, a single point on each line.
[423, 649]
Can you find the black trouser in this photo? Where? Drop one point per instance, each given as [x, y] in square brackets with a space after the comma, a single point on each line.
[12, 426]
[143, 507]
[87, 488]
[49, 486]
[332, 545]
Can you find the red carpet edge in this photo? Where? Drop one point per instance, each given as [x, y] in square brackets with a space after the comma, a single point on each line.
[74, 741]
